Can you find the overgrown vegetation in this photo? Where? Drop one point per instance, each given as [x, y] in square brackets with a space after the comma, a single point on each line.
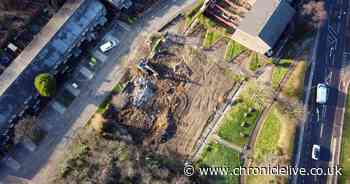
[28, 128]
[107, 159]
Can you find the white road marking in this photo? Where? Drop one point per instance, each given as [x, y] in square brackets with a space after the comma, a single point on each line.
[321, 134]
[332, 30]
[324, 112]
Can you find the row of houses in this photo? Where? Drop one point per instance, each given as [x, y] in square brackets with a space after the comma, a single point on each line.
[49, 52]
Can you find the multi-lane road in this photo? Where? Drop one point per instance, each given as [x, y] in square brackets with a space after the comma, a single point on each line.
[330, 51]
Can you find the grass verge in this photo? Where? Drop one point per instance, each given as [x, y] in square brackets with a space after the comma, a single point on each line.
[267, 141]
[217, 155]
[232, 50]
[255, 62]
[104, 105]
[211, 37]
[274, 144]
[279, 72]
[295, 85]
[345, 153]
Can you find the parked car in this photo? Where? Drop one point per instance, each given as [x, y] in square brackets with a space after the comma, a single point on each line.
[75, 85]
[108, 45]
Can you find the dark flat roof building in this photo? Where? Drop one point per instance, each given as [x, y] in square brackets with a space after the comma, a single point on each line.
[49, 50]
[263, 25]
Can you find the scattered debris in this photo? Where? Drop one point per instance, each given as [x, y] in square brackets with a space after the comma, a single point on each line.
[143, 92]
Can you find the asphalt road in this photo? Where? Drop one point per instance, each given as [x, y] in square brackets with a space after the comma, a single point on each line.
[329, 62]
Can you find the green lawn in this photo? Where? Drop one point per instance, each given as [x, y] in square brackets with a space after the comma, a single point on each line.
[345, 154]
[216, 155]
[232, 50]
[232, 129]
[267, 141]
[279, 72]
[211, 37]
[295, 85]
[255, 62]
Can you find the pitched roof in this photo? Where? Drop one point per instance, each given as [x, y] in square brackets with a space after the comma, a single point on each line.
[49, 48]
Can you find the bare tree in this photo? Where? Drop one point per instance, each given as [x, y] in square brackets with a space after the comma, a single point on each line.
[27, 127]
[315, 12]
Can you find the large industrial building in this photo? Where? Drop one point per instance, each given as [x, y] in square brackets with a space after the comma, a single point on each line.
[48, 52]
[263, 25]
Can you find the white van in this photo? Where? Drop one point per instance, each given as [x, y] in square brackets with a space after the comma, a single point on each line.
[316, 152]
[321, 94]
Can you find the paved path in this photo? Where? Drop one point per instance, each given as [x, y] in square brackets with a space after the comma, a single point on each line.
[36, 165]
[227, 144]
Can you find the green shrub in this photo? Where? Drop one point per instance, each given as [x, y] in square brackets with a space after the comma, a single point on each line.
[45, 84]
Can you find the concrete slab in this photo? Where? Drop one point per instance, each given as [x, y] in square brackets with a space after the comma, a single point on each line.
[58, 107]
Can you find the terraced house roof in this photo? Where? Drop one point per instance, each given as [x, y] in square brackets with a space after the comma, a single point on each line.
[47, 50]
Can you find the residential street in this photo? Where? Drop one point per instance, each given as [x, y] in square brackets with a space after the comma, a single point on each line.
[36, 165]
[329, 63]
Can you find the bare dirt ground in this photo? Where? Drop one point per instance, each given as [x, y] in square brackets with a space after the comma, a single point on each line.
[181, 100]
[205, 93]
[167, 109]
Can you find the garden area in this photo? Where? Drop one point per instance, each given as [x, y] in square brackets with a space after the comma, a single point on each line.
[240, 121]
[217, 155]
